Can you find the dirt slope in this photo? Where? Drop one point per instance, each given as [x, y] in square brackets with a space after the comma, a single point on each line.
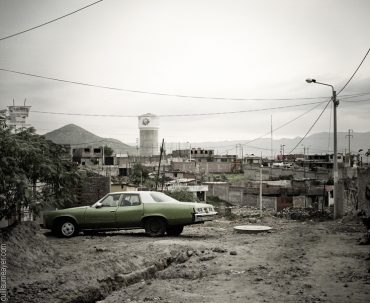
[296, 262]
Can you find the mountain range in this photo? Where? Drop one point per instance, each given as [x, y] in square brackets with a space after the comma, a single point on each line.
[318, 143]
[78, 137]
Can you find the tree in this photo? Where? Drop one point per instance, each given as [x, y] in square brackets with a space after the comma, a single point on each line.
[182, 195]
[108, 151]
[139, 174]
[34, 173]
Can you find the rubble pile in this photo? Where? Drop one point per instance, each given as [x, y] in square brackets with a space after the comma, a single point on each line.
[28, 250]
[303, 214]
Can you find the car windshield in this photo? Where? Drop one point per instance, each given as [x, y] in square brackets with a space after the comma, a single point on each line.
[161, 197]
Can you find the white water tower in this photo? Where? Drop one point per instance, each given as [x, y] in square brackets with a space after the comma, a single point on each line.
[148, 126]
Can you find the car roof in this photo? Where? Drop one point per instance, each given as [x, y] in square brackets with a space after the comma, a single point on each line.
[133, 192]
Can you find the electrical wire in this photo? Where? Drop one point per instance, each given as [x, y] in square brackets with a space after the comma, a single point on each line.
[48, 22]
[354, 101]
[317, 119]
[156, 93]
[177, 115]
[103, 140]
[349, 80]
[275, 129]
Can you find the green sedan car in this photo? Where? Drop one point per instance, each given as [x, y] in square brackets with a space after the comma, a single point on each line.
[154, 211]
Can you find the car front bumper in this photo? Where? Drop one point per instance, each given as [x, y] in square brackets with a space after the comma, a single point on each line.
[202, 217]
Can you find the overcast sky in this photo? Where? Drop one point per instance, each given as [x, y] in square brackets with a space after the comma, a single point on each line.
[210, 48]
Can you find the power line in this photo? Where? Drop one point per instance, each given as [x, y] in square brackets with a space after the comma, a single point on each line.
[355, 101]
[48, 22]
[317, 119]
[155, 93]
[277, 128]
[281, 126]
[176, 115]
[349, 80]
[353, 95]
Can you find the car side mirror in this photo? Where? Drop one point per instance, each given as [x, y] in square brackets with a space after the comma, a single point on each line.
[98, 205]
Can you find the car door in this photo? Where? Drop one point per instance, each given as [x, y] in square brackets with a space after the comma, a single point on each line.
[129, 211]
[104, 215]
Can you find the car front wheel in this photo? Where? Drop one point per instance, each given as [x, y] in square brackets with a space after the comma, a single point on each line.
[175, 230]
[67, 228]
[155, 227]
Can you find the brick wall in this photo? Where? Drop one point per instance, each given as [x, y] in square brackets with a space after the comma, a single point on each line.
[364, 189]
[92, 189]
[253, 201]
[299, 201]
[201, 167]
[252, 172]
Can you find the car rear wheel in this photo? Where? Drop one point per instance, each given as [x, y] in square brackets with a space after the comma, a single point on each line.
[67, 228]
[174, 230]
[155, 227]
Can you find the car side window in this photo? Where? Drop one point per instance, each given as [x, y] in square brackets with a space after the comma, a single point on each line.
[111, 200]
[130, 200]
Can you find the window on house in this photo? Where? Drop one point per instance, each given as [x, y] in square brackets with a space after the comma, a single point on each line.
[87, 150]
[97, 150]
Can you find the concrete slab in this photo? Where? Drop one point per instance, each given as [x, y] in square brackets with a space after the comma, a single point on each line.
[251, 229]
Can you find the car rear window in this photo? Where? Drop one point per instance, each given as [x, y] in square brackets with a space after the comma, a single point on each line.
[160, 197]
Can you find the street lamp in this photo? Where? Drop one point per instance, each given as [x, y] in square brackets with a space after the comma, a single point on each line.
[338, 212]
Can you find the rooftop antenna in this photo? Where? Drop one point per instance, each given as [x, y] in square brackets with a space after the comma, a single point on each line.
[25, 101]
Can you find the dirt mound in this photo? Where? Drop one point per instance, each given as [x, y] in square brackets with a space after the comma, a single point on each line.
[27, 251]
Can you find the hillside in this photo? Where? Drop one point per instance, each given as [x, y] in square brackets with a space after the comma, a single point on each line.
[77, 136]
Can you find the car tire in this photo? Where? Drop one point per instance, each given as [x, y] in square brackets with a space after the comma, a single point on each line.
[174, 231]
[155, 227]
[67, 228]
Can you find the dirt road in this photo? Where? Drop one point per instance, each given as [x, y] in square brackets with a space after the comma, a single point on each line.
[296, 262]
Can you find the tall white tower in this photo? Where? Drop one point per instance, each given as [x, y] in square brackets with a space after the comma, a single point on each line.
[18, 115]
[148, 126]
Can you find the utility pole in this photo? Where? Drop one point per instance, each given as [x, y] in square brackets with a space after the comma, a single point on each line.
[159, 166]
[338, 210]
[338, 206]
[304, 162]
[261, 187]
[272, 156]
[350, 132]
[282, 150]
[242, 162]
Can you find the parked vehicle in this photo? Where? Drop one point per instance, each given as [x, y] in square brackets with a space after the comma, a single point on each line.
[154, 211]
